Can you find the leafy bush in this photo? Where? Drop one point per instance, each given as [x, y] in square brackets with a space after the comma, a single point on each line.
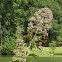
[8, 46]
[52, 45]
[59, 38]
[33, 45]
[23, 54]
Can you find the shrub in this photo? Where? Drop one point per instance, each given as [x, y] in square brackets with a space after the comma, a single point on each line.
[23, 54]
[8, 46]
[52, 45]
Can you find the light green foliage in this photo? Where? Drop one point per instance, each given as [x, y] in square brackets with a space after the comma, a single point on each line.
[59, 38]
[20, 31]
[52, 45]
[27, 36]
[33, 45]
[60, 31]
[0, 16]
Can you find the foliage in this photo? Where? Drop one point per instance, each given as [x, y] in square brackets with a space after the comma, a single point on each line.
[52, 45]
[59, 40]
[8, 46]
[34, 55]
[20, 31]
[39, 23]
[27, 36]
[55, 31]
[22, 52]
[13, 14]
[33, 45]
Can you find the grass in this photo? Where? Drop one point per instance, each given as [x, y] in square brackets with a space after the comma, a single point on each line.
[46, 59]
[43, 56]
[46, 52]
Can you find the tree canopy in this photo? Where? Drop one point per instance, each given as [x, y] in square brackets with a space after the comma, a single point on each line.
[14, 16]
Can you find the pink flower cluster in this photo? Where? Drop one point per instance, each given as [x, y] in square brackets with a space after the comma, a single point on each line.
[20, 51]
[19, 40]
[41, 21]
[18, 58]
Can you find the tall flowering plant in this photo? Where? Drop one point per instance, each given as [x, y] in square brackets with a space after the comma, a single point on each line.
[40, 23]
[37, 28]
[21, 52]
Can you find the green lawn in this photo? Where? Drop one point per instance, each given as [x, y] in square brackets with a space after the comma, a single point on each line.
[43, 56]
[46, 52]
[46, 59]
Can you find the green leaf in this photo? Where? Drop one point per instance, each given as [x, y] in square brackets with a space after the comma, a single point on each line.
[27, 36]
[33, 55]
[39, 48]
[0, 16]
[26, 52]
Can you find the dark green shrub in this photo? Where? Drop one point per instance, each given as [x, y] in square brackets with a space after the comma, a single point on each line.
[8, 46]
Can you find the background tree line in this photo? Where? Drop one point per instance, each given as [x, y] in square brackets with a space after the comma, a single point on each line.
[14, 15]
